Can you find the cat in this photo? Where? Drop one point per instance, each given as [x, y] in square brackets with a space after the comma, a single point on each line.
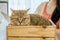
[38, 20]
[21, 18]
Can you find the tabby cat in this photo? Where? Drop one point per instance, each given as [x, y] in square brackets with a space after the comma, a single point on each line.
[21, 18]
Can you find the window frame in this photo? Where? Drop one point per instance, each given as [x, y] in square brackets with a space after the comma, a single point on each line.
[6, 2]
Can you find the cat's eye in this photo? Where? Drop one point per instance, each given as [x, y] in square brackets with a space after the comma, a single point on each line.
[17, 18]
[24, 18]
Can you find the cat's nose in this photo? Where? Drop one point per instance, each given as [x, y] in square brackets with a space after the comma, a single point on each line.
[20, 21]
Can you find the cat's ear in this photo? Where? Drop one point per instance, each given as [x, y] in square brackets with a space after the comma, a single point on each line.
[28, 9]
[12, 10]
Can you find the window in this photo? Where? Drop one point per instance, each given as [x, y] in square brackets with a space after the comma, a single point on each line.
[4, 6]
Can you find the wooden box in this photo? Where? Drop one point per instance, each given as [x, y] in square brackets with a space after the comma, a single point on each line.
[31, 33]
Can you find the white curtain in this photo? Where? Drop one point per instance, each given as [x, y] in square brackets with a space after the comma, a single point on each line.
[3, 24]
[25, 4]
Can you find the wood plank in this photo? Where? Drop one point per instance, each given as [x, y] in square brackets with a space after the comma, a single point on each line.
[10, 38]
[32, 31]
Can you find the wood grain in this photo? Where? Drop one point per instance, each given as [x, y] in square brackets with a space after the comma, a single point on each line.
[31, 38]
[34, 32]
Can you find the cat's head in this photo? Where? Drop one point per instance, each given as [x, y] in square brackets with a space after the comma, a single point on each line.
[19, 12]
[20, 15]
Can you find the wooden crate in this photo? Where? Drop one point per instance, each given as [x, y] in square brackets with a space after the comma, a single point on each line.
[31, 33]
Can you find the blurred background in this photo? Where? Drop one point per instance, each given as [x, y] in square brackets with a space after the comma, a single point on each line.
[25, 4]
[5, 6]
